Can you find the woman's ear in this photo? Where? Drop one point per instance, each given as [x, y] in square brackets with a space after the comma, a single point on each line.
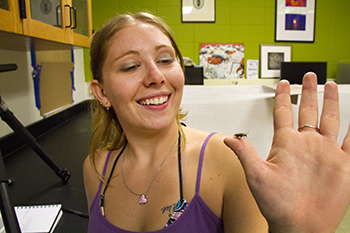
[98, 91]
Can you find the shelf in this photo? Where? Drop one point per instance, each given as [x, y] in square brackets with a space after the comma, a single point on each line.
[18, 42]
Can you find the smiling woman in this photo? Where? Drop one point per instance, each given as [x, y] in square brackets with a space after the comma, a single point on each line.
[101, 44]
[142, 160]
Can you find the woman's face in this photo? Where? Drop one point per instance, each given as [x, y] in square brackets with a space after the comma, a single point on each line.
[142, 78]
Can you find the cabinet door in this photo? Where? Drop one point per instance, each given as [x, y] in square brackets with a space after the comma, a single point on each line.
[9, 16]
[81, 22]
[45, 20]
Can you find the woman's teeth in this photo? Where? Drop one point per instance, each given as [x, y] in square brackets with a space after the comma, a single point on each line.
[155, 101]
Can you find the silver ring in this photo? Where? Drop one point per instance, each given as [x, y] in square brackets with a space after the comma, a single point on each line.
[309, 126]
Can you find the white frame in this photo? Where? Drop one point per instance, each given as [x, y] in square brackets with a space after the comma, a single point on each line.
[204, 14]
[265, 49]
[307, 35]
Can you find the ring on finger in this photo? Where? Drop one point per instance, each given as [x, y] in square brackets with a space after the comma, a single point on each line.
[309, 126]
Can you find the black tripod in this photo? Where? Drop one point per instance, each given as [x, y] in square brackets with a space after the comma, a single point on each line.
[6, 206]
[7, 116]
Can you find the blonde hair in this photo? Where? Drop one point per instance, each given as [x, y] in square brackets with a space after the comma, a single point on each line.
[106, 131]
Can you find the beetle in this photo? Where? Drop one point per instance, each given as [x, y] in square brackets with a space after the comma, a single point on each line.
[241, 135]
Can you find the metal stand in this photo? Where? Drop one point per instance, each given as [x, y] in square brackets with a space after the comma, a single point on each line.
[7, 211]
[7, 116]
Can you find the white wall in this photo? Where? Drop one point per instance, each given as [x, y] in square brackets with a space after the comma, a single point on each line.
[17, 88]
[82, 88]
[247, 109]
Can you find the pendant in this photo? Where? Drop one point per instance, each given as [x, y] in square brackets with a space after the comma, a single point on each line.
[143, 200]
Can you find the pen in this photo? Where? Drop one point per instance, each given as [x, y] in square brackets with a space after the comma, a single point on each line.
[81, 214]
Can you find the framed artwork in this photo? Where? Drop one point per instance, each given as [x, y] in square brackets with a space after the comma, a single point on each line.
[222, 60]
[198, 11]
[295, 20]
[271, 57]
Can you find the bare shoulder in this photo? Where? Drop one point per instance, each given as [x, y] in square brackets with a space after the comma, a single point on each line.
[220, 166]
[96, 163]
[223, 185]
[92, 170]
[196, 137]
[216, 152]
[221, 161]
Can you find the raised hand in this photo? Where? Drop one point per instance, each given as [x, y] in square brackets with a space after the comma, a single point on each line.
[304, 185]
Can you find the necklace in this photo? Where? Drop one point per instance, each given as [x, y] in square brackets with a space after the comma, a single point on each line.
[142, 197]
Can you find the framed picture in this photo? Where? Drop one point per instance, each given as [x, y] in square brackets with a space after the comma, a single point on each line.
[198, 11]
[271, 57]
[222, 60]
[295, 20]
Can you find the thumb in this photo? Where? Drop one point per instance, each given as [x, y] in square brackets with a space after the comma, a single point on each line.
[249, 158]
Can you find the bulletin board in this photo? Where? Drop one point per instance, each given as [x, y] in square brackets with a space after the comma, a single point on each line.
[55, 85]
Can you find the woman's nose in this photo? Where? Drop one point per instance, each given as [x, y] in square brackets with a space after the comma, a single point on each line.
[153, 76]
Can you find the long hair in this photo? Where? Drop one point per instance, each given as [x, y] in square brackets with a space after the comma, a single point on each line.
[106, 130]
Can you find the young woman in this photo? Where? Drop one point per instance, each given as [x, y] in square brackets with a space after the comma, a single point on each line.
[148, 173]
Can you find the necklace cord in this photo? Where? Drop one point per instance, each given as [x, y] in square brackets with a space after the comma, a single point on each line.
[179, 164]
[115, 162]
[109, 179]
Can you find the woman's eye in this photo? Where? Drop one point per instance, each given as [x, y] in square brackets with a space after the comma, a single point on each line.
[129, 68]
[166, 60]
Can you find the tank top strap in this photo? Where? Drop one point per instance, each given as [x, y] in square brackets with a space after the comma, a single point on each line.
[200, 164]
[104, 170]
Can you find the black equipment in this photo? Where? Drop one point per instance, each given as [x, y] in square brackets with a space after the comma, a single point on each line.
[295, 71]
[7, 210]
[194, 75]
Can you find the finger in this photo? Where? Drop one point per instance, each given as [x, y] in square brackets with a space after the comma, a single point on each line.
[330, 117]
[282, 110]
[346, 142]
[308, 109]
[249, 158]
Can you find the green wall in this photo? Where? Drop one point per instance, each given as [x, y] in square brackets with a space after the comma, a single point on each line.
[251, 22]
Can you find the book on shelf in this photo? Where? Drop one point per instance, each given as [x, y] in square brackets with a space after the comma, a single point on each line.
[37, 218]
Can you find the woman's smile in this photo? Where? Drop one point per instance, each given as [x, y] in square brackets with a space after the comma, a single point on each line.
[154, 101]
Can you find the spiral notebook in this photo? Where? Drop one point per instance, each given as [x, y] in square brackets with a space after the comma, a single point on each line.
[38, 218]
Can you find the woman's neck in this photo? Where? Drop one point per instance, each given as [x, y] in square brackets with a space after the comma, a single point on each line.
[149, 148]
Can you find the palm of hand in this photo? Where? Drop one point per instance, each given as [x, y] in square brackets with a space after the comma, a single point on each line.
[320, 185]
[304, 185]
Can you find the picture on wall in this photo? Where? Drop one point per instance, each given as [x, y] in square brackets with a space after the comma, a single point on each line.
[271, 57]
[222, 60]
[295, 20]
[198, 11]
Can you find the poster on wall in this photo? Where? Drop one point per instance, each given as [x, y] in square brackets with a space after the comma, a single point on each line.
[295, 20]
[222, 60]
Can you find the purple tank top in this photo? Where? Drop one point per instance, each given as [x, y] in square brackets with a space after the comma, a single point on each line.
[196, 218]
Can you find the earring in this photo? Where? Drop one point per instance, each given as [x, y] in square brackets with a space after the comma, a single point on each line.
[106, 106]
